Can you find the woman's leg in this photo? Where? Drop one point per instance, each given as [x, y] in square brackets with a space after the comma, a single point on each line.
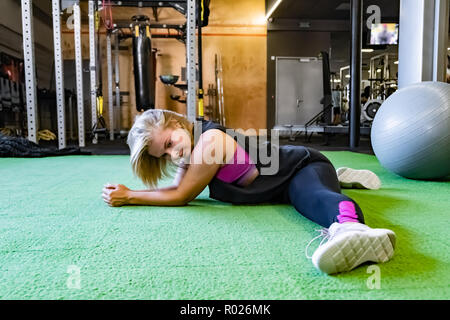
[315, 193]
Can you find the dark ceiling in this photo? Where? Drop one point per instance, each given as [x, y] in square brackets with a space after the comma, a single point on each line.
[327, 9]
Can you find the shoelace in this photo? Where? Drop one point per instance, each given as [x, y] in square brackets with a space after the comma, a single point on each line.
[323, 233]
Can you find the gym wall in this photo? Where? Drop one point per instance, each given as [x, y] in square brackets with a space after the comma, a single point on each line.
[236, 30]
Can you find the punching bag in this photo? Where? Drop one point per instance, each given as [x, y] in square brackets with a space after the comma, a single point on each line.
[144, 68]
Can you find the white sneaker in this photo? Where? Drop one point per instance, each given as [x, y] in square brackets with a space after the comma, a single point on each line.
[351, 244]
[362, 179]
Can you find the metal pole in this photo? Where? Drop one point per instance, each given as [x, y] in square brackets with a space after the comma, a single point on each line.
[440, 40]
[30, 76]
[92, 67]
[110, 91]
[386, 75]
[200, 62]
[79, 73]
[355, 73]
[190, 57]
[59, 78]
[117, 79]
[71, 116]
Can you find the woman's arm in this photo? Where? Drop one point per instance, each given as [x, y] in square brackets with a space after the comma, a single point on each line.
[197, 177]
[117, 195]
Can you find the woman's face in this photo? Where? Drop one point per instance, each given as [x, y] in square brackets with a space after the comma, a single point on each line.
[173, 143]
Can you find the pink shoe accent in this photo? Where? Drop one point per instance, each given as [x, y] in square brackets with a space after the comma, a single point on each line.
[347, 212]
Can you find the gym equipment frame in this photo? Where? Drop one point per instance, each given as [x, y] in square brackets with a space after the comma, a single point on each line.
[187, 7]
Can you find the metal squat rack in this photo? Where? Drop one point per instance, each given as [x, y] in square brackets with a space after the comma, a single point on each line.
[186, 7]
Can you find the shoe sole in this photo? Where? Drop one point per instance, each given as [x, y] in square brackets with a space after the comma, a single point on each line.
[361, 179]
[350, 249]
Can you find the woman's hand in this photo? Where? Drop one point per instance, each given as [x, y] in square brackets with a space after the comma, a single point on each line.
[115, 195]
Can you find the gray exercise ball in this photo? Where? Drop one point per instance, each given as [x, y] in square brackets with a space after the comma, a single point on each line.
[411, 131]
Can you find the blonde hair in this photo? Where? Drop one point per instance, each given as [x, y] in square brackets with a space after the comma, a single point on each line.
[148, 168]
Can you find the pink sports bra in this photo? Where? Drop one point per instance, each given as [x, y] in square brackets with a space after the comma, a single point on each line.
[239, 170]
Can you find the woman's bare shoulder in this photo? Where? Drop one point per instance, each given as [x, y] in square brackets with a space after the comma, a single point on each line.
[212, 133]
[216, 142]
[214, 136]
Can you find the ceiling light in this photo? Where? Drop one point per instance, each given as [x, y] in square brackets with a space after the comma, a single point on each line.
[378, 70]
[366, 50]
[347, 76]
[269, 13]
[396, 62]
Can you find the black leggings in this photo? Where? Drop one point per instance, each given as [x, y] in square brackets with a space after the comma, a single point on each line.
[316, 194]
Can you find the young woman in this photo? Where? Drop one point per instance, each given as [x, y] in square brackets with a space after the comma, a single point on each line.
[305, 178]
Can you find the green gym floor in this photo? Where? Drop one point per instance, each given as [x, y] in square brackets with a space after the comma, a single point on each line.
[55, 230]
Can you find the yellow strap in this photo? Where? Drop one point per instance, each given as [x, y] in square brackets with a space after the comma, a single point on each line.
[202, 10]
[97, 20]
[147, 30]
[100, 105]
[136, 31]
[200, 102]
[200, 107]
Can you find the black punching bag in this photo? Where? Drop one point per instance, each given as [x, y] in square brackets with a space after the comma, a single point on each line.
[144, 69]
